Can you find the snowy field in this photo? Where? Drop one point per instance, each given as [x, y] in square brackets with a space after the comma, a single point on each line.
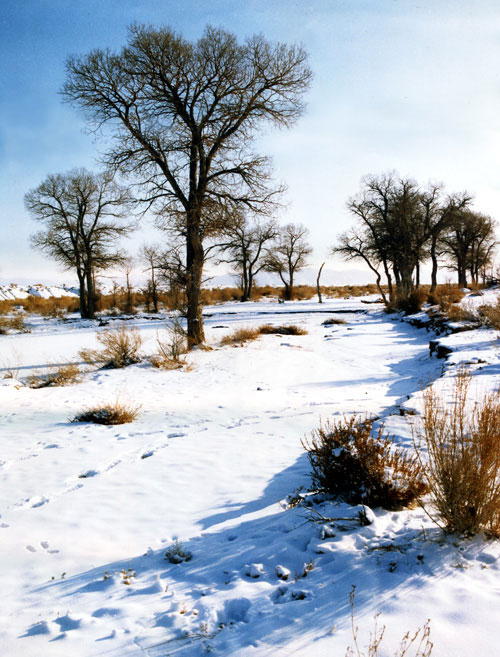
[88, 512]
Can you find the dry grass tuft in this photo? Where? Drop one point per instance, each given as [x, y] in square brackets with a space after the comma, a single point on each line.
[347, 461]
[117, 412]
[463, 468]
[446, 295]
[419, 642]
[171, 348]
[120, 348]
[291, 329]
[13, 323]
[64, 375]
[490, 315]
[333, 321]
[239, 336]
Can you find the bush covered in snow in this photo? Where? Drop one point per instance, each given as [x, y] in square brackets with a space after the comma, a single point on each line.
[347, 461]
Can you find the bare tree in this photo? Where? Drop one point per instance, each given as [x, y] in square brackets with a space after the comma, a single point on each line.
[359, 244]
[83, 217]
[150, 254]
[400, 225]
[289, 255]
[184, 117]
[245, 248]
[469, 243]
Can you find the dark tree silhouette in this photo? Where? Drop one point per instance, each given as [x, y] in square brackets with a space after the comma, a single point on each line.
[83, 217]
[184, 117]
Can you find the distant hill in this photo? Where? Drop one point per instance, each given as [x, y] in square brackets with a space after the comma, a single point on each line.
[13, 291]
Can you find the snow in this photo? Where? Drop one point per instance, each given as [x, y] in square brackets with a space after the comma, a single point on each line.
[13, 292]
[90, 515]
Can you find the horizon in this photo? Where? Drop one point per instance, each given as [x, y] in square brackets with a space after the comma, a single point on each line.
[397, 87]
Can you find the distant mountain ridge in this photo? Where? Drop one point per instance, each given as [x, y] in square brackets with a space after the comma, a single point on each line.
[306, 276]
[13, 291]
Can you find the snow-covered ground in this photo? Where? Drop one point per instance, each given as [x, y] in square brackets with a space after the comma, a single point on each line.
[88, 512]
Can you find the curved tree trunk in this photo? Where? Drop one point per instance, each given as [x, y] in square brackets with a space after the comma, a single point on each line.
[318, 287]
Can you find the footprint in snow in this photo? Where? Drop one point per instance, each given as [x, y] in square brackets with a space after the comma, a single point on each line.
[88, 473]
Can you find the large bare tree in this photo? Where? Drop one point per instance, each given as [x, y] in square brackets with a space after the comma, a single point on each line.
[289, 255]
[82, 214]
[184, 117]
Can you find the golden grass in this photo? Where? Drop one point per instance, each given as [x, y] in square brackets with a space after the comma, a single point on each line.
[64, 375]
[463, 464]
[120, 348]
[117, 412]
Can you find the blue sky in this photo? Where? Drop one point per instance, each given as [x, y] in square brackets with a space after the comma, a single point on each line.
[411, 86]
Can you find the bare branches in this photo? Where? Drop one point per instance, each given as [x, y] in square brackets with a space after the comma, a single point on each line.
[83, 217]
[184, 117]
[289, 255]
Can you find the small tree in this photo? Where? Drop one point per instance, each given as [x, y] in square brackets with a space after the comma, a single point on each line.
[82, 216]
[245, 249]
[150, 255]
[289, 255]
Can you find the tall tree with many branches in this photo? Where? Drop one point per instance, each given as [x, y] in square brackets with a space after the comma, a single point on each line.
[83, 217]
[184, 117]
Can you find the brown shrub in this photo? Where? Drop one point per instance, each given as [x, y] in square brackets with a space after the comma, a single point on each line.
[51, 307]
[6, 306]
[413, 302]
[446, 295]
[346, 460]
[64, 375]
[13, 323]
[239, 336]
[170, 348]
[490, 315]
[463, 464]
[465, 313]
[290, 329]
[333, 321]
[117, 412]
[120, 348]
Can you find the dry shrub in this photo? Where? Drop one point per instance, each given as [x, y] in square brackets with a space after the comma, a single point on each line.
[120, 348]
[463, 468]
[490, 315]
[347, 461]
[333, 321]
[51, 307]
[64, 375]
[171, 348]
[446, 295]
[210, 297]
[239, 336]
[290, 329]
[413, 302]
[465, 313]
[117, 412]
[419, 642]
[6, 306]
[14, 323]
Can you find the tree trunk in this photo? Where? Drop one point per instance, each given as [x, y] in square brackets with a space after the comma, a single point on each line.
[250, 285]
[90, 294]
[318, 288]
[82, 295]
[434, 265]
[195, 258]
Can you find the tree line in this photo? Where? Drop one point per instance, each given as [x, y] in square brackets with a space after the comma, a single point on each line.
[182, 118]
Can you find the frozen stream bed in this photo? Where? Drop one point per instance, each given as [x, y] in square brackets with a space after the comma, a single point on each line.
[88, 512]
